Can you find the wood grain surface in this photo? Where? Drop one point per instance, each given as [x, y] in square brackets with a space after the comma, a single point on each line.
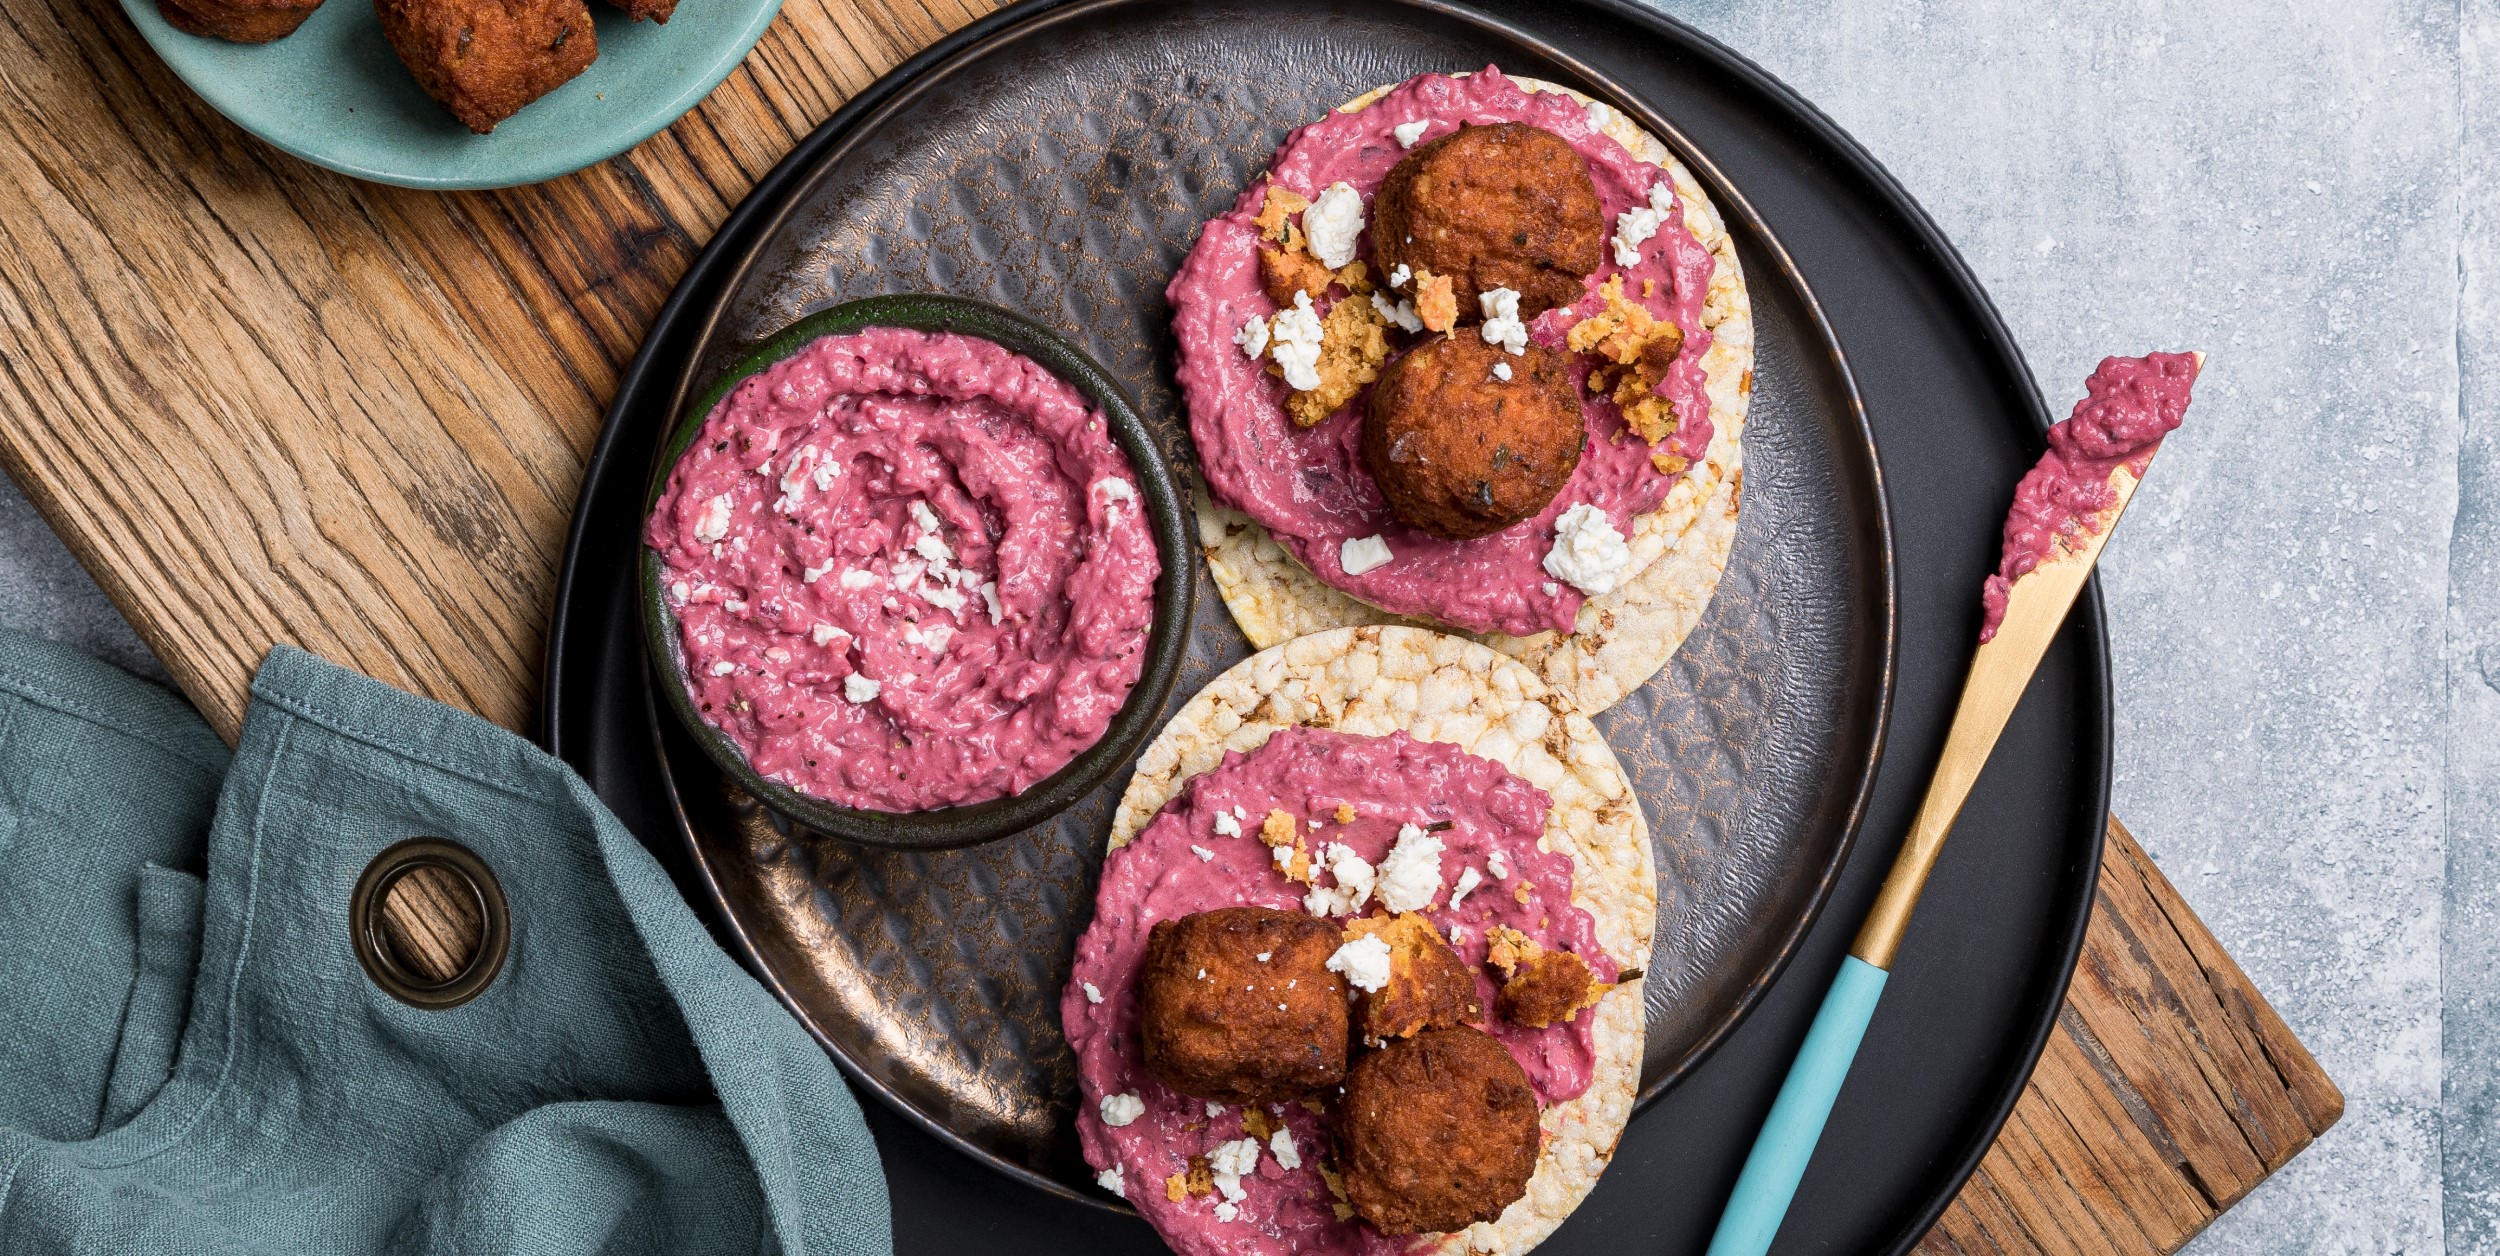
[267, 403]
[2169, 1089]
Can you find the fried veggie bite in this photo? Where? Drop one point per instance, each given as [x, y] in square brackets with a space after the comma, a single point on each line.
[1429, 985]
[1540, 987]
[1439, 1132]
[1466, 439]
[242, 21]
[1501, 206]
[1237, 1005]
[485, 59]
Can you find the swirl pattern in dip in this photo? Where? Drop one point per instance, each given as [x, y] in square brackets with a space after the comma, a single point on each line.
[910, 570]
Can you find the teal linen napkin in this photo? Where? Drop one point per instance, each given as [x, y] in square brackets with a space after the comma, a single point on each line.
[191, 1059]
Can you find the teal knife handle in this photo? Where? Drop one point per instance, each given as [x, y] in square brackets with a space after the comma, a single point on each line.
[1786, 1143]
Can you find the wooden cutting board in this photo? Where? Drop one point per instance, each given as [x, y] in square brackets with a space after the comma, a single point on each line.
[266, 403]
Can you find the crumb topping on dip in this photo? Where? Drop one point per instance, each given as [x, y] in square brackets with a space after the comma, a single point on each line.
[1426, 815]
[910, 570]
[1301, 475]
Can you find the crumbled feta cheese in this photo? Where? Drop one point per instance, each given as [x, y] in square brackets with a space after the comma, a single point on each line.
[1501, 320]
[1225, 1209]
[936, 638]
[941, 597]
[1400, 314]
[1399, 274]
[1214, 1108]
[1092, 994]
[1109, 1180]
[1333, 223]
[989, 594]
[905, 679]
[823, 634]
[1232, 1162]
[1119, 1110]
[1294, 343]
[713, 523]
[1410, 878]
[734, 606]
[680, 592]
[1587, 551]
[858, 578]
[1112, 488]
[1497, 863]
[1227, 825]
[922, 515]
[1637, 224]
[723, 668]
[814, 574]
[1468, 880]
[1363, 553]
[859, 688]
[1551, 588]
[1252, 338]
[1353, 872]
[1204, 855]
[1364, 962]
[794, 481]
[1280, 1144]
[1409, 132]
[1284, 856]
[827, 470]
[1501, 371]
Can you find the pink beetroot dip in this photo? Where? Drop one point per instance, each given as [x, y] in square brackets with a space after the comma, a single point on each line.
[1389, 781]
[927, 511]
[2128, 406]
[1309, 486]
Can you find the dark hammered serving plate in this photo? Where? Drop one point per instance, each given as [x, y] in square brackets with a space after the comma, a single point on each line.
[931, 977]
[1072, 197]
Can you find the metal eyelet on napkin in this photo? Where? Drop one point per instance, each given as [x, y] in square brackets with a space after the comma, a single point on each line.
[400, 910]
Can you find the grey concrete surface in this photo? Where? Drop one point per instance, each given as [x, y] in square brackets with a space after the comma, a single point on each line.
[2303, 626]
[2307, 604]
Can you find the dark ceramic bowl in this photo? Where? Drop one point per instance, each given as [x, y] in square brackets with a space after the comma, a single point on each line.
[1167, 639]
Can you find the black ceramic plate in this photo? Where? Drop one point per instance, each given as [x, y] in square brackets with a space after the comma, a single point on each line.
[947, 827]
[1988, 959]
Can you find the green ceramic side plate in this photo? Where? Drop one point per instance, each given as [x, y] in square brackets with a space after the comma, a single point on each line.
[1167, 640]
[334, 94]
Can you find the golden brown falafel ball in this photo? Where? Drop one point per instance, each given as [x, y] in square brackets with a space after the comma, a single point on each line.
[485, 59]
[1501, 206]
[1459, 451]
[1221, 1023]
[242, 21]
[1429, 985]
[1438, 1132]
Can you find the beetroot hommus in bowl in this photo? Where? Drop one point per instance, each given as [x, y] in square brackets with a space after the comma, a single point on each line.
[900, 567]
